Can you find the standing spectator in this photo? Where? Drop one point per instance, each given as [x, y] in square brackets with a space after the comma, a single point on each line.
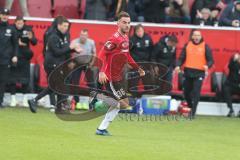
[58, 51]
[141, 50]
[198, 5]
[197, 59]
[139, 8]
[215, 14]
[142, 45]
[23, 4]
[8, 50]
[97, 9]
[231, 15]
[20, 73]
[204, 18]
[155, 10]
[232, 84]
[122, 5]
[228, 1]
[178, 12]
[164, 52]
[89, 50]
[52, 29]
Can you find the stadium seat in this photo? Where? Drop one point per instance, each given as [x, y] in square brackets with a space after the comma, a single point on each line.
[210, 87]
[175, 85]
[223, 80]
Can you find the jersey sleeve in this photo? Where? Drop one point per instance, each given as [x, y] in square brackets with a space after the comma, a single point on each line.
[107, 49]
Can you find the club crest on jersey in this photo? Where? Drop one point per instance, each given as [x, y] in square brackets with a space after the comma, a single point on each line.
[109, 46]
[25, 32]
[124, 46]
[8, 32]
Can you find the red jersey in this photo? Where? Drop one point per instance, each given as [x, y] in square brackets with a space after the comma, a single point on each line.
[115, 55]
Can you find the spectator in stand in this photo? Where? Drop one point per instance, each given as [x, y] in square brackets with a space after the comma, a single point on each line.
[228, 1]
[231, 15]
[215, 14]
[203, 18]
[164, 52]
[198, 5]
[23, 4]
[155, 10]
[139, 10]
[20, 73]
[232, 84]
[97, 9]
[178, 12]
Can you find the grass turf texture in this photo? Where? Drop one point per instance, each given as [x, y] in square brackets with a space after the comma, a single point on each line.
[42, 136]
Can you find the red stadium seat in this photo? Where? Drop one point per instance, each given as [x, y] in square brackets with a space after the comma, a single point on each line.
[209, 86]
[175, 85]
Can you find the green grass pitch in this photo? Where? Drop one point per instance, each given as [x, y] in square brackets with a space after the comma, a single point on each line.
[42, 136]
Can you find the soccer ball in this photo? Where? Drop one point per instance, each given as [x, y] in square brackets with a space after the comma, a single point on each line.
[101, 106]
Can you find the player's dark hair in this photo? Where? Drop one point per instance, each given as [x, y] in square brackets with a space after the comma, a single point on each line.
[122, 14]
[85, 30]
[191, 34]
[19, 18]
[137, 27]
[173, 38]
[62, 20]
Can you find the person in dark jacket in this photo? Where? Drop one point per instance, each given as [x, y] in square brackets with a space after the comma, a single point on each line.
[142, 45]
[20, 73]
[51, 30]
[154, 10]
[97, 9]
[46, 36]
[197, 59]
[232, 84]
[231, 15]
[198, 5]
[164, 52]
[8, 50]
[204, 18]
[58, 51]
[141, 49]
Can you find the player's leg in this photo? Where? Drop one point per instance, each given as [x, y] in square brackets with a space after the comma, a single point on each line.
[196, 92]
[33, 102]
[114, 108]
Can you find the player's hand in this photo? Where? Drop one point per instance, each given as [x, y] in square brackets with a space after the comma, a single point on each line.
[102, 78]
[177, 69]
[20, 43]
[235, 23]
[78, 49]
[205, 68]
[156, 70]
[141, 72]
[30, 35]
[14, 60]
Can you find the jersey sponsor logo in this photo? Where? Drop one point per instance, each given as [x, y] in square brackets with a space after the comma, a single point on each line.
[109, 46]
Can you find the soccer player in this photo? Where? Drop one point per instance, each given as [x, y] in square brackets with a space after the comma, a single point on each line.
[115, 56]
